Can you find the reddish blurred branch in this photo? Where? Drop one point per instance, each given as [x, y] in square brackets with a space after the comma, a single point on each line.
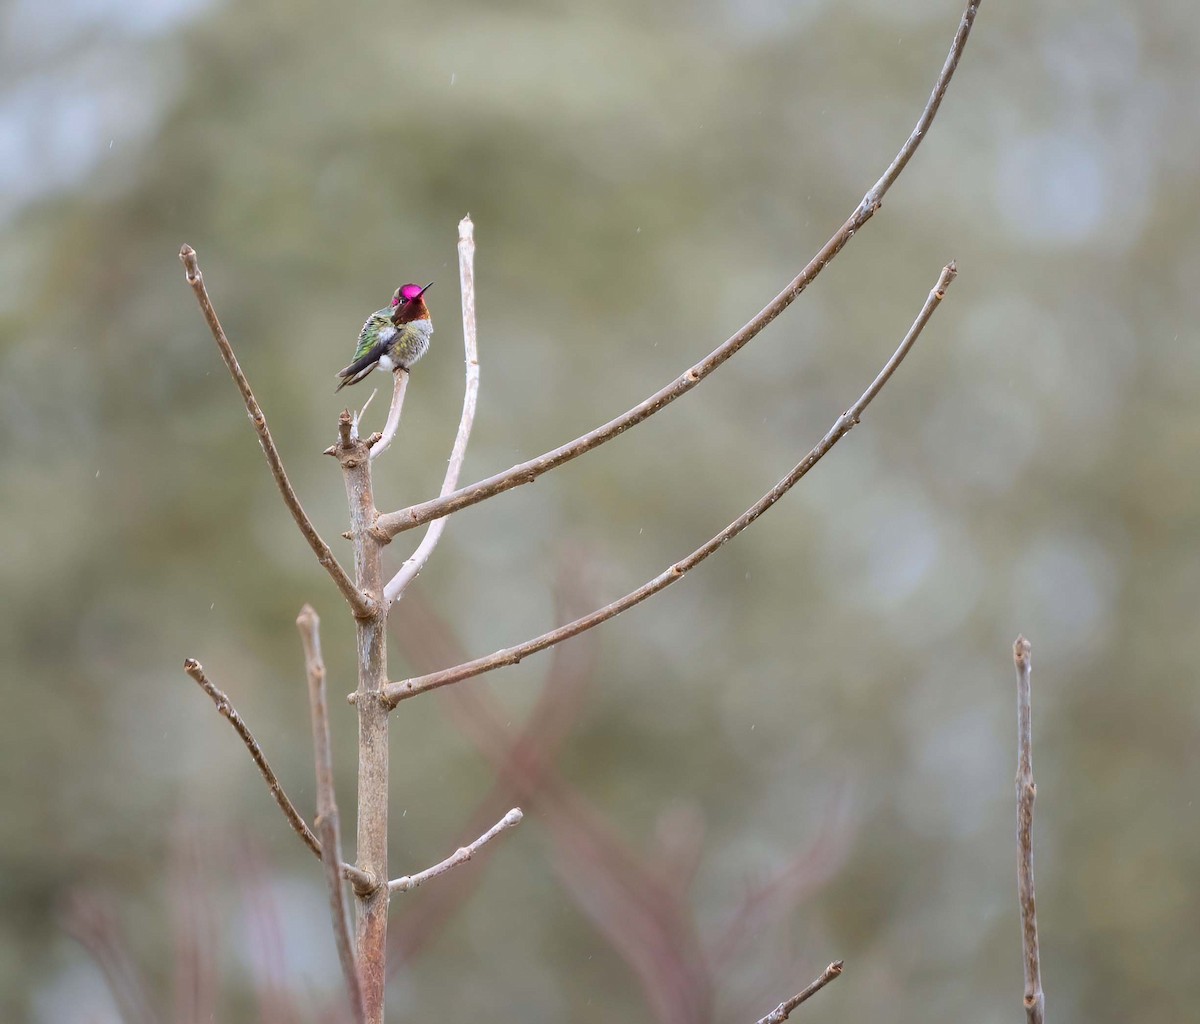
[194, 930]
[92, 922]
[1035, 999]
[636, 900]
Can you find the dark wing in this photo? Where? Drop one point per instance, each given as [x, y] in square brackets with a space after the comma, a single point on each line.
[369, 349]
[361, 367]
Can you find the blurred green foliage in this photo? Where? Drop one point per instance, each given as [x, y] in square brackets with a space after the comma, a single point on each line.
[642, 180]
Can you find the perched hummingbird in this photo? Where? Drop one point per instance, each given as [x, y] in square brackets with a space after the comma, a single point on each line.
[392, 338]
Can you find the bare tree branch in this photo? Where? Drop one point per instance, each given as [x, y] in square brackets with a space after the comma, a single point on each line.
[358, 602]
[784, 1009]
[393, 523]
[460, 856]
[225, 707]
[466, 272]
[371, 850]
[400, 386]
[393, 693]
[1035, 998]
[327, 822]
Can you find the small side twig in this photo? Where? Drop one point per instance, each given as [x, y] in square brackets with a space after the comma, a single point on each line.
[359, 603]
[460, 856]
[411, 569]
[327, 823]
[399, 388]
[395, 692]
[784, 1009]
[226, 709]
[1035, 999]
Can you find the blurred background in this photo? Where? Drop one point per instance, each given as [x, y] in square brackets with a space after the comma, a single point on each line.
[803, 751]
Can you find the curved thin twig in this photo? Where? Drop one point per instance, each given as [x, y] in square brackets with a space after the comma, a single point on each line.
[459, 856]
[393, 693]
[399, 387]
[359, 603]
[411, 569]
[392, 523]
[226, 709]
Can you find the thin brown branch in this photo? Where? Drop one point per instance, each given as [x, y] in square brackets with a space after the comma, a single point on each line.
[459, 856]
[327, 822]
[395, 692]
[1035, 998]
[466, 272]
[393, 523]
[784, 1009]
[358, 602]
[399, 388]
[225, 707]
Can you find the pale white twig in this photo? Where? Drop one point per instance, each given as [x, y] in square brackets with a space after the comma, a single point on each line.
[460, 856]
[360, 414]
[466, 271]
[400, 377]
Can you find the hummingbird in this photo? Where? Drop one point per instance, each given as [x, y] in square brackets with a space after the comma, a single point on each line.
[392, 338]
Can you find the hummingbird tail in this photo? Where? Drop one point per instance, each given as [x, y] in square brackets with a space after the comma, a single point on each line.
[358, 370]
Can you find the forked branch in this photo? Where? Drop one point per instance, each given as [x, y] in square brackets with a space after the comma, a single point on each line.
[1035, 999]
[411, 569]
[393, 693]
[226, 709]
[393, 523]
[358, 602]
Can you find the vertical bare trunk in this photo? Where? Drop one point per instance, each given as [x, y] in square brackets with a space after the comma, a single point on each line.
[371, 908]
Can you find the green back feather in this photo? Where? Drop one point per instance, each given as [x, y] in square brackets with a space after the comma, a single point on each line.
[370, 332]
